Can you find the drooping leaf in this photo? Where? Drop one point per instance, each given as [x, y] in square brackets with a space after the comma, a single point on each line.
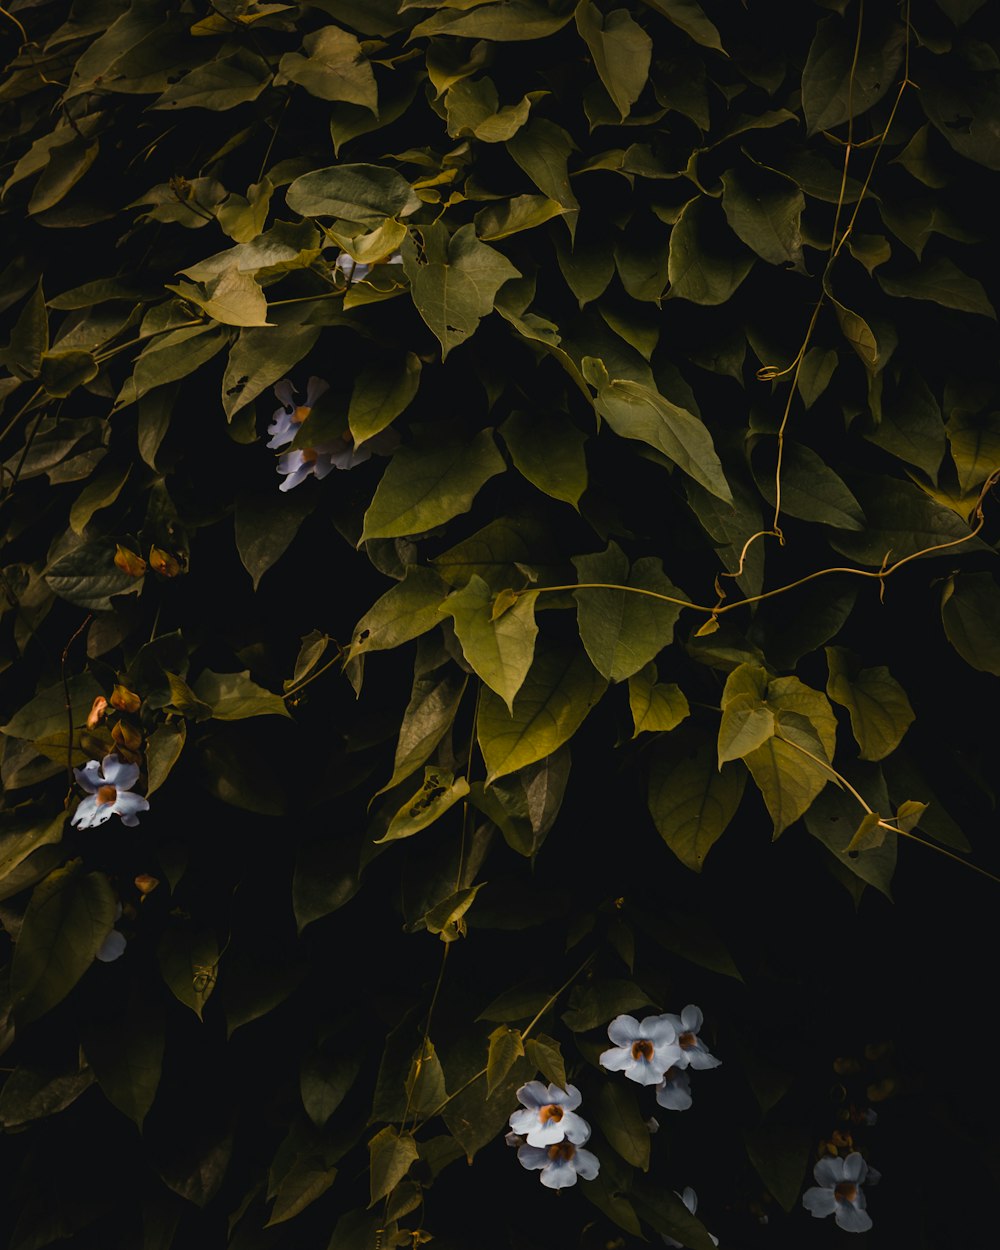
[780, 1155]
[405, 611]
[692, 801]
[506, 1047]
[334, 67]
[548, 449]
[879, 708]
[234, 696]
[622, 1123]
[428, 483]
[941, 281]
[707, 262]
[265, 527]
[127, 1056]
[380, 394]
[558, 693]
[440, 791]
[392, 1155]
[835, 86]
[970, 610]
[259, 358]
[367, 194]
[765, 211]
[499, 648]
[656, 707]
[621, 51]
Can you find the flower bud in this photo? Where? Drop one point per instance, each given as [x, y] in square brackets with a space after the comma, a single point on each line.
[163, 562]
[146, 884]
[97, 711]
[125, 700]
[127, 736]
[129, 562]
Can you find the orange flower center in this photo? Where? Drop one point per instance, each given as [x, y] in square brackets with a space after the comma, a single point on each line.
[562, 1151]
[846, 1191]
[106, 794]
[309, 455]
[300, 414]
[551, 1112]
[642, 1049]
[671, 1074]
[687, 1040]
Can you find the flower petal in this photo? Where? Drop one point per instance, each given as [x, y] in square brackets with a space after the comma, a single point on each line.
[119, 774]
[701, 1058]
[851, 1218]
[819, 1202]
[112, 948]
[692, 1019]
[128, 807]
[314, 388]
[855, 1168]
[829, 1171]
[295, 478]
[523, 1121]
[533, 1094]
[532, 1157]
[558, 1174]
[575, 1128]
[570, 1097]
[624, 1029]
[659, 1029]
[90, 813]
[285, 392]
[675, 1095]
[89, 776]
[689, 1198]
[616, 1059]
[645, 1073]
[546, 1134]
[587, 1164]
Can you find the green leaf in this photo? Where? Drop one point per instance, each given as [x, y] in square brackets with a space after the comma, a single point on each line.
[324, 1084]
[425, 1085]
[440, 792]
[637, 411]
[656, 707]
[833, 819]
[902, 521]
[171, 357]
[88, 577]
[506, 21]
[45, 715]
[233, 298]
[473, 108]
[810, 489]
[691, 799]
[621, 50]
[29, 339]
[126, 1053]
[542, 149]
[392, 1154]
[189, 962]
[546, 1055]
[530, 798]
[835, 87]
[184, 700]
[587, 268]
[446, 918]
[499, 649]
[974, 439]
[622, 1123]
[780, 1154]
[429, 715]
[970, 610]
[163, 750]
[707, 263]
[555, 699]
[31, 1094]
[592, 1005]
[765, 211]
[307, 1180]
[62, 372]
[429, 482]
[334, 68]
[367, 194]
[688, 16]
[456, 283]
[858, 333]
[941, 281]
[98, 494]
[265, 527]
[218, 85]
[381, 392]
[523, 212]
[911, 426]
[746, 725]
[405, 611]
[869, 835]
[68, 918]
[622, 631]
[24, 838]
[233, 696]
[879, 709]
[548, 449]
[506, 1047]
[259, 358]
[662, 1208]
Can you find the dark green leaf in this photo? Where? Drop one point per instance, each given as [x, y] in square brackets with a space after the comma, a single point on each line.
[879, 709]
[622, 1123]
[691, 800]
[970, 611]
[707, 263]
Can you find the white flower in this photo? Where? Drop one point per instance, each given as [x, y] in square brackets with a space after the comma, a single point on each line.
[690, 1200]
[694, 1052]
[642, 1051]
[838, 1192]
[549, 1115]
[674, 1091]
[560, 1164]
[286, 420]
[107, 783]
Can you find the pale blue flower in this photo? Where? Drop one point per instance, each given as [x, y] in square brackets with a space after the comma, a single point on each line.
[287, 419]
[549, 1115]
[839, 1192]
[297, 465]
[560, 1164]
[694, 1052]
[113, 946]
[674, 1091]
[643, 1051]
[107, 783]
[690, 1200]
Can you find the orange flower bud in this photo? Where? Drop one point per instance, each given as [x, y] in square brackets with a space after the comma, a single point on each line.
[97, 711]
[163, 562]
[146, 884]
[127, 736]
[124, 699]
[129, 562]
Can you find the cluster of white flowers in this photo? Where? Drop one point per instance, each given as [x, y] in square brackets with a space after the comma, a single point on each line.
[549, 1135]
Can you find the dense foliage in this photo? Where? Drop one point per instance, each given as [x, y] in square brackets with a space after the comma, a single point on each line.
[630, 374]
